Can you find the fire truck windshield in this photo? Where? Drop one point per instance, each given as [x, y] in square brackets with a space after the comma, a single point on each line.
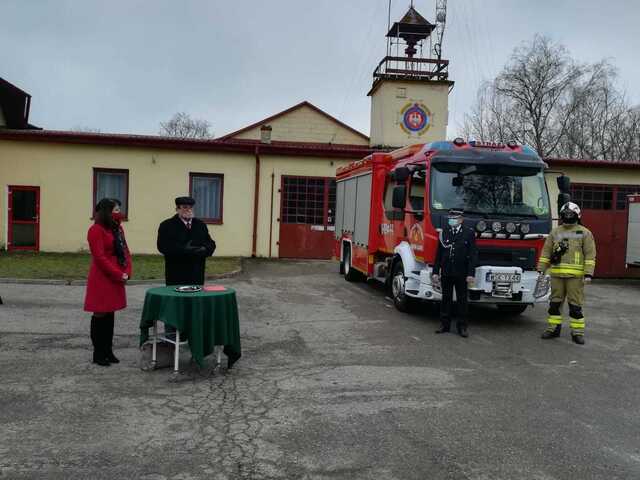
[490, 191]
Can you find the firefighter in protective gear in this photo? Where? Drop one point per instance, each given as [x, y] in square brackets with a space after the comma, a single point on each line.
[569, 254]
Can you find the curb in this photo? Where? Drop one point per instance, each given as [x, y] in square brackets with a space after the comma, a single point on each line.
[76, 283]
[33, 281]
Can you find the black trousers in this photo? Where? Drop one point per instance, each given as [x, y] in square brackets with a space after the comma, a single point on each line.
[446, 307]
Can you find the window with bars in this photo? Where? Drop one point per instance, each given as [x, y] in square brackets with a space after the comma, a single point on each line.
[303, 200]
[621, 196]
[593, 197]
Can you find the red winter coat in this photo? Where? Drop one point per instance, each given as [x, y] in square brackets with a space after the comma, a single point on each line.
[105, 288]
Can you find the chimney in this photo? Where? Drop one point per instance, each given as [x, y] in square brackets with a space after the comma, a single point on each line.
[265, 134]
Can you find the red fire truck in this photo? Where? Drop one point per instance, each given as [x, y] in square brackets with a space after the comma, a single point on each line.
[391, 208]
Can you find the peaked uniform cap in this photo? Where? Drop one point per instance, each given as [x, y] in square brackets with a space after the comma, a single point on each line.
[185, 201]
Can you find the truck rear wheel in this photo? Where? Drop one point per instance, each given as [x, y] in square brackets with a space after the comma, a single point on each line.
[400, 299]
[350, 274]
[512, 309]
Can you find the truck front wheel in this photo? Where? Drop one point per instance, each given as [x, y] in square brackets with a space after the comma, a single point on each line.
[400, 298]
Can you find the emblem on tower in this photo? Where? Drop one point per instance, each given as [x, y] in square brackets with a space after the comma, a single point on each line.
[415, 118]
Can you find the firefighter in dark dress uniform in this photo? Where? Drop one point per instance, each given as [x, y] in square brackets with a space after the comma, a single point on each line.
[454, 267]
[185, 243]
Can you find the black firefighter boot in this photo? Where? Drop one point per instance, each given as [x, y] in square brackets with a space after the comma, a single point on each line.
[577, 338]
[108, 339]
[551, 332]
[97, 338]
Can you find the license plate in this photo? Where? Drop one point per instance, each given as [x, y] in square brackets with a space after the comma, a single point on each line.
[504, 277]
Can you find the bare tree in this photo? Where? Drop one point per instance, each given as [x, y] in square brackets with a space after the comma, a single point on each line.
[490, 118]
[542, 85]
[604, 126]
[85, 129]
[181, 125]
[545, 99]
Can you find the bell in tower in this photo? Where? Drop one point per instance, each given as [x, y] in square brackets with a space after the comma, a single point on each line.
[413, 28]
[410, 92]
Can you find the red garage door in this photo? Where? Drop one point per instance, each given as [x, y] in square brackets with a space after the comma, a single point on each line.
[307, 217]
[604, 212]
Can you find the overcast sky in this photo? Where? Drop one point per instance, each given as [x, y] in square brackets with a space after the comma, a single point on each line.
[125, 66]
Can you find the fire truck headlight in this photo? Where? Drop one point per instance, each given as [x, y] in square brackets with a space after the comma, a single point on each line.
[481, 226]
[496, 227]
[511, 227]
[525, 228]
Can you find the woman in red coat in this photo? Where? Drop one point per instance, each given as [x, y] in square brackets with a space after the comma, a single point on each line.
[110, 270]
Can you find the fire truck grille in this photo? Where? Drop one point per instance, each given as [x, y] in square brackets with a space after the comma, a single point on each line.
[524, 258]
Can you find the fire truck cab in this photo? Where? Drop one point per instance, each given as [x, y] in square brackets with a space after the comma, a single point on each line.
[391, 208]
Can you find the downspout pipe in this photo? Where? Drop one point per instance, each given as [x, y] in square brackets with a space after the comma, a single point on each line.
[273, 176]
[256, 201]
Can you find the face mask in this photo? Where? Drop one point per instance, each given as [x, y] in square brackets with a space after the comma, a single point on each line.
[453, 222]
[117, 216]
[185, 215]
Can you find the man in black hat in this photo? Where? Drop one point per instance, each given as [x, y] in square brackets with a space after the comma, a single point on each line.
[454, 267]
[185, 243]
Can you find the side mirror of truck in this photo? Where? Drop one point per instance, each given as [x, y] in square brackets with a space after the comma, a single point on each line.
[399, 196]
[562, 199]
[401, 174]
[564, 184]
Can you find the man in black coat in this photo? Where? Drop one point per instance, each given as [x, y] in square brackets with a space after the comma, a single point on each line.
[454, 267]
[185, 243]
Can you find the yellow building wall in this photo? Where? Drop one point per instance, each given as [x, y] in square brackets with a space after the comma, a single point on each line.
[64, 174]
[606, 176]
[306, 125]
[269, 212]
[392, 96]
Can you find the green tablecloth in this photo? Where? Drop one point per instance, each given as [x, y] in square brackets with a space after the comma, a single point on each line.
[204, 319]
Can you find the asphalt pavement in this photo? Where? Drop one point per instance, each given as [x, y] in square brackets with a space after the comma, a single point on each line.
[334, 383]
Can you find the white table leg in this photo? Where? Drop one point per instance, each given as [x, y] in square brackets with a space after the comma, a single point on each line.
[177, 352]
[154, 359]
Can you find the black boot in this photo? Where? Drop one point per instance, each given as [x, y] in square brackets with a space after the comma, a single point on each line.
[109, 339]
[445, 327]
[97, 339]
[551, 332]
[462, 330]
[577, 338]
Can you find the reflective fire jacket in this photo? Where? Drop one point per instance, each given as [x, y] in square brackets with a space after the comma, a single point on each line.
[575, 252]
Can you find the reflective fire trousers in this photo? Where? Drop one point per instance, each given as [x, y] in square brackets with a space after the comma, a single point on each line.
[571, 289]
